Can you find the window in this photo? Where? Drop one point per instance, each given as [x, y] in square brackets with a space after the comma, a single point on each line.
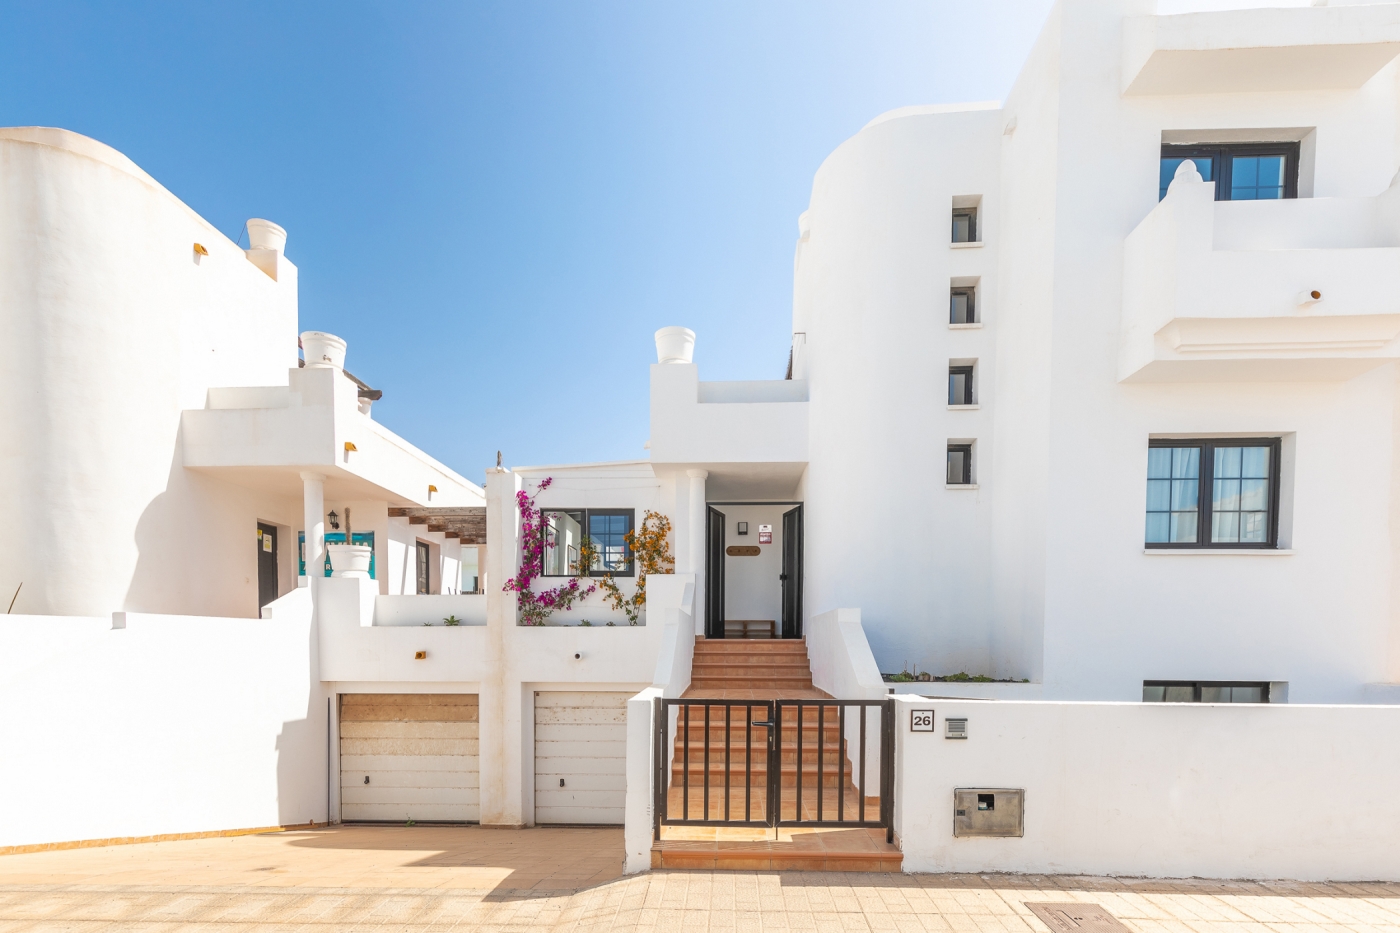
[1217, 493]
[959, 464]
[964, 225]
[424, 566]
[962, 306]
[1253, 172]
[607, 529]
[959, 386]
[1205, 691]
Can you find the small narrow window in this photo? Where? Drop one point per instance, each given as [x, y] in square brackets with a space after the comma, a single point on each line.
[962, 306]
[960, 385]
[959, 464]
[424, 568]
[1213, 493]
[964, 225]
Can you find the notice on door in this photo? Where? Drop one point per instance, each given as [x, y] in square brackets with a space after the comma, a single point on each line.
[765, 534]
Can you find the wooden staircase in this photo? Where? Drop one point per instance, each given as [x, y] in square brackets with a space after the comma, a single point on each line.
[761, 670]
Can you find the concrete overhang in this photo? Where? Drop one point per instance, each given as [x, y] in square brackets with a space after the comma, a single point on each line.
[1298, 49]
[265, 437]
[756, 422]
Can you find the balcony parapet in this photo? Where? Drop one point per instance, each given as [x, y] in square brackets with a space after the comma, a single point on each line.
[1223, 290]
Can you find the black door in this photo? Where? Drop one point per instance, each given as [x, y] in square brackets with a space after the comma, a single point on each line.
[714, 573]
[792, 573]
[424, 577]
[267, 564]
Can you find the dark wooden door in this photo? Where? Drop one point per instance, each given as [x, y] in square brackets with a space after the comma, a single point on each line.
[792, 573]
[267, 564]
[425, 577]
[714, 573]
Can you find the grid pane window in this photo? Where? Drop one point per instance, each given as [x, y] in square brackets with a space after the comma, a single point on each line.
[1241, 171]
[1257, 178]
[565, 531]
[1240, 498]
[1173, 494]
[609, 534]
[1212, 493]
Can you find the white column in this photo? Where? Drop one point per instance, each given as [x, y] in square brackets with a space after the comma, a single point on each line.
[697, 542]
[314, 504]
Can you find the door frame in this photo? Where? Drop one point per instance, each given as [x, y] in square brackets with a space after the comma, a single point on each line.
[714, 570]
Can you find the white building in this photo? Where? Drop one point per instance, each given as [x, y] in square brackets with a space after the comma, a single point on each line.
[1092, 393]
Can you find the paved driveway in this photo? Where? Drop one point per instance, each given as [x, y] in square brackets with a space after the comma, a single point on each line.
[440, 878]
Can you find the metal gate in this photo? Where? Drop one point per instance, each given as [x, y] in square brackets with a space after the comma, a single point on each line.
[774, 763]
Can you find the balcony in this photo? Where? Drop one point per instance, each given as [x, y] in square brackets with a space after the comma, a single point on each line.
[1223, 291]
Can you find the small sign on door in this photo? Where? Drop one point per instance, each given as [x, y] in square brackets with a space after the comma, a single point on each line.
[765, 534]
[921, 720]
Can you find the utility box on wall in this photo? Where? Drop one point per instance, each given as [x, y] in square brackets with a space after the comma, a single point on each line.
[988, 811]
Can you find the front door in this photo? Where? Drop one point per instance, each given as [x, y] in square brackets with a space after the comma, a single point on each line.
[424, 576]
[714, 573]
[267, 564]
[792, 573]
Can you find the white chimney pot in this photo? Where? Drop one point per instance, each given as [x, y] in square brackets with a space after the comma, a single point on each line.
[675, 345]
[264, 234]
[322, 351]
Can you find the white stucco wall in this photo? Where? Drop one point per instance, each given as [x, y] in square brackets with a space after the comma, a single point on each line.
[1040, 571]
[110, 325]
[173, 724]
[1158, 789]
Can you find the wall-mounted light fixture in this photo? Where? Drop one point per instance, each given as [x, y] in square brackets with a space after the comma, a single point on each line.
[420, 655]
[431, 489]
[199, 248]
[350, 447]
[335, 520]
[743, 528]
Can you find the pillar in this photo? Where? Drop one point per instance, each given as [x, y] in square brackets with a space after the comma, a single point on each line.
[698, 511]
[313, 487]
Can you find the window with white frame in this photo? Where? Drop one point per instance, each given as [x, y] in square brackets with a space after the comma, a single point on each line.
[1215, 493]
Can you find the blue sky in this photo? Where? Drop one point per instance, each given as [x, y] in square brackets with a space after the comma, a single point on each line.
[497, 204]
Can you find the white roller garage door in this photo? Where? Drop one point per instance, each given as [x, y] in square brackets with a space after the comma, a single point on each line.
[409, 756]
[580, 757]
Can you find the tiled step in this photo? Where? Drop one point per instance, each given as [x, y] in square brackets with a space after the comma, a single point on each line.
[843, 850]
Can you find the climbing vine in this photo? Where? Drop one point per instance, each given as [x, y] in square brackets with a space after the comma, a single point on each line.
[652, 551]
[536, 607]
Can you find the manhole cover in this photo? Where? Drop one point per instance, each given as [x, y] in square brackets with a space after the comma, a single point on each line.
[1077, 918]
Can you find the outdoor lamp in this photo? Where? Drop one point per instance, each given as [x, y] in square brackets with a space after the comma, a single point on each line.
[335, 520]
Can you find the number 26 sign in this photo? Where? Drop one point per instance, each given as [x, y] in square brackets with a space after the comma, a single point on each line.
[921, 720]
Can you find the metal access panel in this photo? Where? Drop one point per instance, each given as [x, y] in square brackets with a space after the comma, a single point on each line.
[989, 811]
[1077, 918]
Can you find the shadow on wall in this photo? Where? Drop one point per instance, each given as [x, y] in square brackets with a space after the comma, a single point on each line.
[196, 546]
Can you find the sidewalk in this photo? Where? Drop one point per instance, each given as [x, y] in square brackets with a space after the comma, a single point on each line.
[444, 878]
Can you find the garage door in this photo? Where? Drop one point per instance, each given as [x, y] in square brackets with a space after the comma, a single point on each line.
[580, 757]
[409, 756]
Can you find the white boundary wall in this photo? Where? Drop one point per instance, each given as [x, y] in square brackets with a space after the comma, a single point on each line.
[1168, 790]
[173, 724]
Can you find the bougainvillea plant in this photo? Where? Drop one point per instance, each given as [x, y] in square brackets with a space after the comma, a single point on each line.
[652, 551]
[536, 607]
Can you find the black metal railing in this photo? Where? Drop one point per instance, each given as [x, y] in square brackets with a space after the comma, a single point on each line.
[855, 734]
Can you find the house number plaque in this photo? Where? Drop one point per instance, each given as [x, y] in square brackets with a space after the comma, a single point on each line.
[742, 550]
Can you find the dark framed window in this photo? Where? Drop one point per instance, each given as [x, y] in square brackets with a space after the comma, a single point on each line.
[1205, 691]
[1220, 493]
[565, 530]
[1243, 172]
[959, 464]
[964, 225]
[962, 306]
[959, 385]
